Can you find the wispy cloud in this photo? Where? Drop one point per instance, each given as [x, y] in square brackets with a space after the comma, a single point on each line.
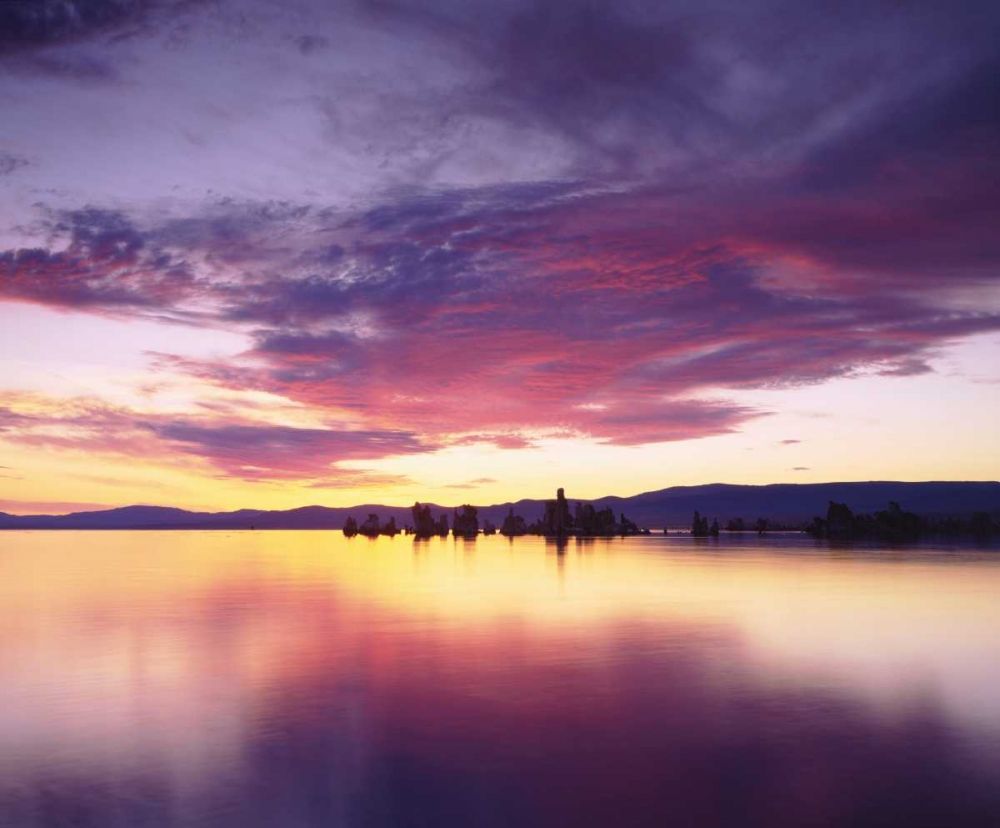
[601, 221]
[241, 449]
[471, 484]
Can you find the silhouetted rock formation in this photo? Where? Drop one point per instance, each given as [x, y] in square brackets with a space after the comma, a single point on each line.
[591, 523]
[699, 526]
[350, 527]
[465, 524]
[371, 527]
[839, 520]
[586, 522]
[513, 525]
[891, 524]
[424, 525]
[627, 527]
[557, 521]
[737, 525]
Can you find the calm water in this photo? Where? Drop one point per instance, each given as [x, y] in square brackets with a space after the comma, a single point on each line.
[288, 679]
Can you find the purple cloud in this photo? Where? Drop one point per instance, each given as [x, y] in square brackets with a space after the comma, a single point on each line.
[41, 22]
[10, 163]
[241, 449]
[275, 452]
[701, 207]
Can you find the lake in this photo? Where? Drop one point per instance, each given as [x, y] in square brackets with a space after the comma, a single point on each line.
[292, 679]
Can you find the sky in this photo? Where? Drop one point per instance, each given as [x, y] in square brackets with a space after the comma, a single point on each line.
[262, 254]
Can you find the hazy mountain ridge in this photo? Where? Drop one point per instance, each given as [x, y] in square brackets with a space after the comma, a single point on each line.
[788, 502]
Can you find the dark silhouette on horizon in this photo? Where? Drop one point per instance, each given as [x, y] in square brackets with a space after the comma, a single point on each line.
[424, 525]
[949, 509]
[371, 528]
[465, 524]
[700, 527]
[557, 522]
[513, 525]
[896, 524]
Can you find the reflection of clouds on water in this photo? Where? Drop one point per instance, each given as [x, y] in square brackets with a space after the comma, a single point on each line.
[147, 714]
[296, 681]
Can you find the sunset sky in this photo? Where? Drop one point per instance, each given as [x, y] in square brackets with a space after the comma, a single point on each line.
[262, 254]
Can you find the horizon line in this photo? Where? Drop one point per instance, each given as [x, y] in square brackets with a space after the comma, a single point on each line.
[387, 505]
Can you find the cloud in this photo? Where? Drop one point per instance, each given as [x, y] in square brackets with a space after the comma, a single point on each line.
[908, 367]
[10, 163]
[10, 420]
[32, 23]
[240, 449]
[308, 44]
[589, 220]
[82, 69]
[800, 468]
[48, 507]
[789, 442]
[360, 479]
[501, 441]
[253, 451]
[499, 313]
[471, 484]
[106, 264]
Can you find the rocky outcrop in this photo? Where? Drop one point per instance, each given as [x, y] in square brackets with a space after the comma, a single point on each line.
[700, 527]
[626, 527]
[465, 523]
[513, 525]
[591, 523]
[489, 528]
[350, 527]
[371, 528]
[557, 521]
[891, 524]
[389, 528]
[586, 522]
[424, 525]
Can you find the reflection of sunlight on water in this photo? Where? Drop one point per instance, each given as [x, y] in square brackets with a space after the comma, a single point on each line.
[183, 653]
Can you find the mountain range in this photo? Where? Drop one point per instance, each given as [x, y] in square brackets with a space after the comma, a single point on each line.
[785, 502]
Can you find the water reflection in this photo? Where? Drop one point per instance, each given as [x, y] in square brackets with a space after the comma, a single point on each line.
[297, 679]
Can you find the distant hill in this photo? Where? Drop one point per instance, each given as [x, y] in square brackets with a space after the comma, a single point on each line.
[786, 502]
